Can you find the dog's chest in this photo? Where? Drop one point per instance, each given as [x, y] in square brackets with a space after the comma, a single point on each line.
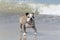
[27, 25]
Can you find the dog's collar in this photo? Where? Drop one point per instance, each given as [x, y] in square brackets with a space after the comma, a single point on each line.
[28, 22]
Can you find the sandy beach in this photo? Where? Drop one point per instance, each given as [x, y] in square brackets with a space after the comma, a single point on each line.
[48, 27]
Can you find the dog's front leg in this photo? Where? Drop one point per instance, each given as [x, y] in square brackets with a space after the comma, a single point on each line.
[20, 31]
[35, 33]
[24, 32]
[35, 30]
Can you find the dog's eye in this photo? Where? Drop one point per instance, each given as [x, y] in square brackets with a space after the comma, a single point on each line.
[33, 16]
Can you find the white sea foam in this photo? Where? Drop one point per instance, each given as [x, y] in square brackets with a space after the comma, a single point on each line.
[49, 9]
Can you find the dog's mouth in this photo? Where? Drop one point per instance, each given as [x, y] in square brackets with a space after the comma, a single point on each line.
[30, 23]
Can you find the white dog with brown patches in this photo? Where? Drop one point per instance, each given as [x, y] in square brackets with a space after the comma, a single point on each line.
[27, 21]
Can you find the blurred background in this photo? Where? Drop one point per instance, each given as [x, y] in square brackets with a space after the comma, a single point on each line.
[47, 18]
[50, 7]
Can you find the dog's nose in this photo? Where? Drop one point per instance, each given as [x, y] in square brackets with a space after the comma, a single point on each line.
[31, 19]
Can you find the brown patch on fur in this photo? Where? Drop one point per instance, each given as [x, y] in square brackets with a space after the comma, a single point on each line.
[23, 19]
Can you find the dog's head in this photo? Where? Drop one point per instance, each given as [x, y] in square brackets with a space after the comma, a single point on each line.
[30, 16]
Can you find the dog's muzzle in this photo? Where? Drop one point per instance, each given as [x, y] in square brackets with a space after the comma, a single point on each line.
[29, 19]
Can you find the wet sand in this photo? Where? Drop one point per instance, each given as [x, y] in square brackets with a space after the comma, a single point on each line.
[48, 27]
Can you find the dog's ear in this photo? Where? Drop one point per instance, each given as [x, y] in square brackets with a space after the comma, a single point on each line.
[33, 13]
[26, 14]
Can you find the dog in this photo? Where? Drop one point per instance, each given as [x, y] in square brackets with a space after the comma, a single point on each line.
[27, 21]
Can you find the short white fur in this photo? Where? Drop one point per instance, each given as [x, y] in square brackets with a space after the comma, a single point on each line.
[30, 16]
